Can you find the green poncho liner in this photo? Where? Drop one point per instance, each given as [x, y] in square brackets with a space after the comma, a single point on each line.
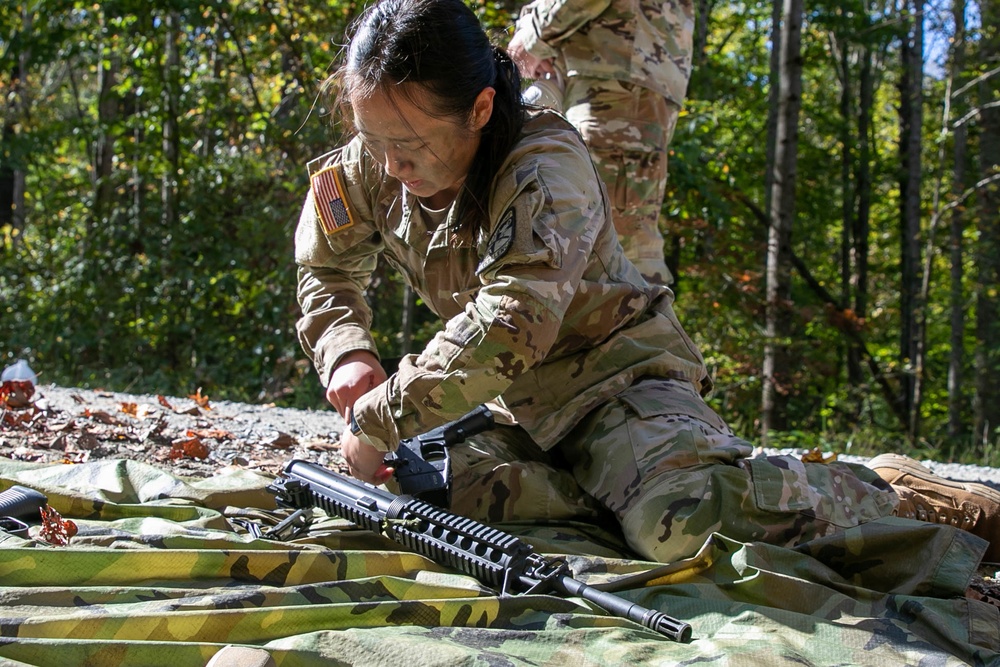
[162, 573]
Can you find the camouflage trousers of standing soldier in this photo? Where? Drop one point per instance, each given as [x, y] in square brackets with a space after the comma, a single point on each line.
[671, 471]
[627, 129]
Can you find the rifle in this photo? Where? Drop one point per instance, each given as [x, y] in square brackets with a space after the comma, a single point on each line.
[422, 466]
[17, 503]
[498, 559]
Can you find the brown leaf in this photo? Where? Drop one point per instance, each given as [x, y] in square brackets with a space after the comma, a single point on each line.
[55, 529]
[59, 427]
[816, 456]
[202, 401]
[145, 410]
[212, 434]
[321, 445]
[164, 402]
[191, 447]
[102, 416]
[16, 418]
[16, 393]
[281, 441]
[87, 441]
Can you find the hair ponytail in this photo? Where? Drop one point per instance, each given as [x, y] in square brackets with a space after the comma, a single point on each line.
[499, 135]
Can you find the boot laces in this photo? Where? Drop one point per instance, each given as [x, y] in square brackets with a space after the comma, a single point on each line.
[912, 508]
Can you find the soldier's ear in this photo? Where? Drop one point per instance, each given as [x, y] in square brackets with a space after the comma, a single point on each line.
[482, 110]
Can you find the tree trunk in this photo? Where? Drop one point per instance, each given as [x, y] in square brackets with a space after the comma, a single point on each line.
[862, 220]
[104, 146]
[773, 103]
[847, 141]
[956, 356]
[7, 139]
[171, 135]
[986, 404]
[911, 121]
[778, 312]
[12, 174]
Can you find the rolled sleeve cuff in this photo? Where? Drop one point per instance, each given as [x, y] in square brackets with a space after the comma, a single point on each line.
[376, 420]
[338, 342]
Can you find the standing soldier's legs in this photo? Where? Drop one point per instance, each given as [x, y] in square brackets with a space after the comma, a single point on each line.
[627, 129]
[673, 473]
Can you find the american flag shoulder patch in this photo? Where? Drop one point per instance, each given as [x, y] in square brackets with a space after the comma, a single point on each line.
[331, 207]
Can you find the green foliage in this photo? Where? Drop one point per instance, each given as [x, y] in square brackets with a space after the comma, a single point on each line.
[168, 266]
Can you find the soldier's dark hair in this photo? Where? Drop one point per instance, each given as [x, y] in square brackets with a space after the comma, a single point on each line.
[441, 46]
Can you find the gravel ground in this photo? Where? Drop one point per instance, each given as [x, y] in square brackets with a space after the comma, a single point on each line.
[189, 435]
[69, 422]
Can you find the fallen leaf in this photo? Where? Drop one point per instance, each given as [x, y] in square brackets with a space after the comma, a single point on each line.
[16, 418]
[212, 434]
[102, 416]
[281, 441]
[87, 441]
[55, 529]
[16, 393]
[202, 401]
[321, 445]
[145, 411]
[816, 456]
[58, 427]
[191, 447]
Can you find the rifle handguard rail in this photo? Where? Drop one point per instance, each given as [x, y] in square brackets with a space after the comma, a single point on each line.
[496, 558]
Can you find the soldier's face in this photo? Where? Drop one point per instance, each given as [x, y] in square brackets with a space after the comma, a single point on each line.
[429, 154]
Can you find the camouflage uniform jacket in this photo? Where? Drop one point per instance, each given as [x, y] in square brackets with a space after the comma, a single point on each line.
[543, 314]
[647, 42]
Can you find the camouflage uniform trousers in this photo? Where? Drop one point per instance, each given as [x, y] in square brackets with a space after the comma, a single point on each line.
[670, 471]
[627, 129]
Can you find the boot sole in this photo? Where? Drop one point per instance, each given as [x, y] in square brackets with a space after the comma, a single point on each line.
[907, 465]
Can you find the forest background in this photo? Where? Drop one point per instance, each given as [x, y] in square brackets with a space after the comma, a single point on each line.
[831, 217]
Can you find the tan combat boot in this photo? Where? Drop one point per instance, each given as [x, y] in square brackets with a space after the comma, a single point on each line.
[928, 497]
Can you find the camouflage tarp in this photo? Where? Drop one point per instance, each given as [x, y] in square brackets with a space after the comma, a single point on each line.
[160, 574]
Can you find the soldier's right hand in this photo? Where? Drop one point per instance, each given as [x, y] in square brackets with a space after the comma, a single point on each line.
[357, 373]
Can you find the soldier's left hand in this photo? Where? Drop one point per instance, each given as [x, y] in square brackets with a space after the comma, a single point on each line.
[364, 461]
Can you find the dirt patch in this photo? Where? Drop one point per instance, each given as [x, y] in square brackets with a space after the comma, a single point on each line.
[190, 436]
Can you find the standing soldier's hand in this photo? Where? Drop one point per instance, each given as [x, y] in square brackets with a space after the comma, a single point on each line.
[530, 66]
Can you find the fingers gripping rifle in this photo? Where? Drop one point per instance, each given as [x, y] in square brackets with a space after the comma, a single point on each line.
[498, 559]
[422, 466]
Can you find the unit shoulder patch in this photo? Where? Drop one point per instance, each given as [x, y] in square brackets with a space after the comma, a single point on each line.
[331, 206]
[501, 241]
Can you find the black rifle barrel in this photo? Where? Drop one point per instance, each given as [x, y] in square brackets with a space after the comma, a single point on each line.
[496, 558]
